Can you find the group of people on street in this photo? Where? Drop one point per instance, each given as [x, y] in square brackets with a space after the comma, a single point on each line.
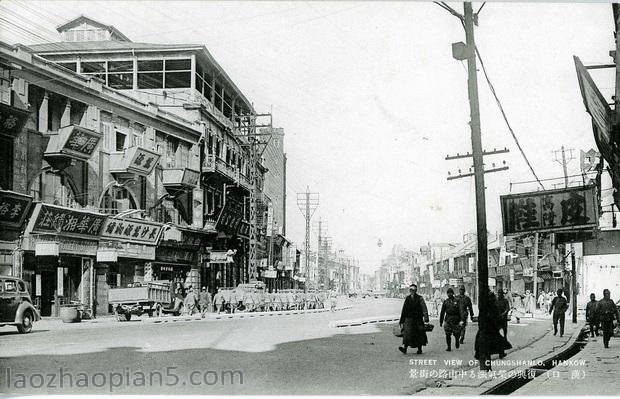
[601, 314]
[188, 302]
[453, 317]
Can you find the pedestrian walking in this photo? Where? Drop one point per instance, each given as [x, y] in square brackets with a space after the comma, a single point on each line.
[204, 301]
[190, 301]
[559, 306]
[468, 308]
[412, 318]
[488, 340]
[503, 307]
[452, 314]
[517, 307]
[179, 295]
[220, 301]
[592, 315]
[333, 302]
[542, 299]
[529, 302]
[607, 312]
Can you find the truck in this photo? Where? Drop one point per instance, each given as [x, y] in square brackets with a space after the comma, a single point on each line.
[150, 297]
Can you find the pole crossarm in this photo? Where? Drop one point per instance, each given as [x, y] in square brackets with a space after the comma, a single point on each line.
[468, 155]
[473, 174]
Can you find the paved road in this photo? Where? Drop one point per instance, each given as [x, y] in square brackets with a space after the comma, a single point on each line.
[295, 354]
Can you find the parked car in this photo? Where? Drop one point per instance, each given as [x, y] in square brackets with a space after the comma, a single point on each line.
[16, 307]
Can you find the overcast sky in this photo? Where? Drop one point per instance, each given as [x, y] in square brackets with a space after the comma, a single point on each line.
[372, 101]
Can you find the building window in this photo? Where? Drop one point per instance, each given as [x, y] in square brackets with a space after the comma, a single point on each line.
[120, 141]
[94, 68]
[184, 152]
[172, 145]
[178, 74]
[150, 74]
[120, 74]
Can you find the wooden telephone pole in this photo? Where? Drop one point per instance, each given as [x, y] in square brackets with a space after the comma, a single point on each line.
[467, 51]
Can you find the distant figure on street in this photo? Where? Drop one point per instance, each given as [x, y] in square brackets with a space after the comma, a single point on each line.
[204, 301]
[592, 315]
[517, 307]
[219, 301]
[529, 302]
[333, 302]
[190, 301]
[607, 312]
[467, 308]
[542, 301]
[412, 318]
[489, 341]
[178, 298]
[559, 306]
[503, 307]
[453, 315]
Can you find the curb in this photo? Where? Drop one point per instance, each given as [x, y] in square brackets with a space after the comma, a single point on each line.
[365, 320]
[236, 316]
[490, 383]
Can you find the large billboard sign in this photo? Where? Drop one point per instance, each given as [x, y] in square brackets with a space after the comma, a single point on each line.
[573, 208]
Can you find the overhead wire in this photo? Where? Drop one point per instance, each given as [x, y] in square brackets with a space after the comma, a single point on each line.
[501, 108]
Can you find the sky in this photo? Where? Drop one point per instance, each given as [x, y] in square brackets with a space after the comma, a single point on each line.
[372, 101]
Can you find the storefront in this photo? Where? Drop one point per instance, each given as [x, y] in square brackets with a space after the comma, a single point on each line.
[60, 246]
[179, 256]
[125, 248]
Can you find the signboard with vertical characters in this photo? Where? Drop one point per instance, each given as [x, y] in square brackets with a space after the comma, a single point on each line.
[550, 210]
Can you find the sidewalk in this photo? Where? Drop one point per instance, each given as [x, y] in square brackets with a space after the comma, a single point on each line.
[48, 323]
[593, 371]
[518, 361]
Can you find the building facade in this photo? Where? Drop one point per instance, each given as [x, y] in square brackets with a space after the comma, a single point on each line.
[121, 163]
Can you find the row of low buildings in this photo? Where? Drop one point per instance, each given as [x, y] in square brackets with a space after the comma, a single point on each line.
[436, 267]
[123, 162]
[331, 269]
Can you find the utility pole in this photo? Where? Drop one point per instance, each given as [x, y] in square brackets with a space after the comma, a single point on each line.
[255, 142]
[321, 227]
[307, 203]
[573, 278]
[467, 51]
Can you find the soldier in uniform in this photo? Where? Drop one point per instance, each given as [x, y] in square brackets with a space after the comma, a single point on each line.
[453, 315]
[559, 306]
[607, 312]
[468, 308]
[592, 315]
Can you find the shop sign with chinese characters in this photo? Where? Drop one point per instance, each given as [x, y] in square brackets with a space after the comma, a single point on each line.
[13, 208]
[80, 141]
[51, 218]
[12, 120]
[131, 230]
[551, 210]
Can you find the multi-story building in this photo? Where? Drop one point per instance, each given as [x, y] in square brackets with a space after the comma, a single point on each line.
[121, 163]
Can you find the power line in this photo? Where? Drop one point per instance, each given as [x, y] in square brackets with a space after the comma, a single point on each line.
[501, 108]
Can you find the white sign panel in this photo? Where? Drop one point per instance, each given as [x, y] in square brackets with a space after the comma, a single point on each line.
[37, 283]
[60, 276]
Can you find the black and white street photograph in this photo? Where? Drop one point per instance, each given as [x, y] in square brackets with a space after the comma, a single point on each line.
[304, 198]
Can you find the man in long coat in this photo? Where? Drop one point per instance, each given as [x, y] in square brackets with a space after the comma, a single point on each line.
[412, 318]
[488, 340]
[592, 315]
[451, 317]
[467, 307]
